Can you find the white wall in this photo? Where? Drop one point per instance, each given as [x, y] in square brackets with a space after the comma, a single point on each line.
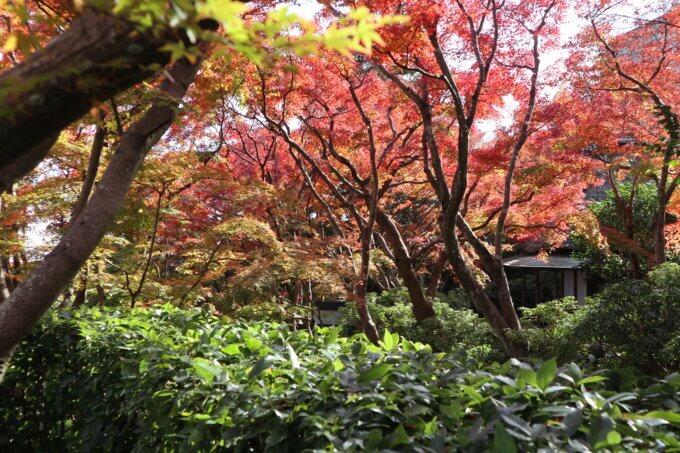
[580, 283]
[582, 286]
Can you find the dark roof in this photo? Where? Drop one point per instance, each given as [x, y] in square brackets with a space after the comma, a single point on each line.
[329, 304]
[551, 262]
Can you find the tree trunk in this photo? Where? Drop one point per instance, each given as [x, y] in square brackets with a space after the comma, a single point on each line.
[17, 269]
[37, 292]
[478, 294]
[101, 295]
[4, 287]
[97, 57]
[435, 275]
[92, 169]
[492, 265]
[7, 272]
[81, 291]
[204, 271]
[4, 290]
[152, 244]
[422, 307]
[23, 164]
[367, 323]
[660, 231]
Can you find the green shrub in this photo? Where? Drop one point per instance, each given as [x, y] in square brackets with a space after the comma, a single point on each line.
[630, 324]
[264, 311]
[548, 329]
[456, 298]
[451, 330]
[599, 265]
[645, 204]
[170, 380]
[635, 323]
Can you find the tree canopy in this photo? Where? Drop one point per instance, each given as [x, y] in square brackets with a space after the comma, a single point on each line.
[227, 153]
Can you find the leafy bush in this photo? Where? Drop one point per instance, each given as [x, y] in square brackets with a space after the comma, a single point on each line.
[630, 324]
[457, 298]
[548, 329]
[170, 380]
[636, 323]
[599, 264]
[265, 311]
[451, 330]
[645, 204]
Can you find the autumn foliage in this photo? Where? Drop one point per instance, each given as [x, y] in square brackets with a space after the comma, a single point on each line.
[418, 150]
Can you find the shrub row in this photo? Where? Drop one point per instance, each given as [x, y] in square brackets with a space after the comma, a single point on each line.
[633, 323]
[453, 328]
[164, 379]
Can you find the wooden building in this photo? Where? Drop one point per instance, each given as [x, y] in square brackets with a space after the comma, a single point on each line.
[534, 280]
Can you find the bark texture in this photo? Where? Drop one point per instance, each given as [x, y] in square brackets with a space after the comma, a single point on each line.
[422, 307]
[92, 169]
[98, 57]
[436, 274]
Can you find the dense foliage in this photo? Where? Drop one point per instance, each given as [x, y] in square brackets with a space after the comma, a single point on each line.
[626, 220]
[167, 379]
[633, 323]
[456, 326]
[643, 204]
[636, 323]
[325, 150]
[550, 329]
[244, 160]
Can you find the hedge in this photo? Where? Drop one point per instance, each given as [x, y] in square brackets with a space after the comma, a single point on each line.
[165, 379]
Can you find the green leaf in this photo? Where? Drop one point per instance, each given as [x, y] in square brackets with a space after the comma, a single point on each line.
[373, 440]
[673, 379]
[572, 422]
[430, 427]
[573, 371]
[453, 410]
[143, 366]
[546, 374]
[260, 366]
[399, 437]
[390, 340]
[253, 344]
[672, 417]
[231, 349]
[474, 394]
[205, 369]
[294, 361]
[599, 432]
[503, 442]
[592, 380]
[375, 372]
[529, 376]
[196, 436]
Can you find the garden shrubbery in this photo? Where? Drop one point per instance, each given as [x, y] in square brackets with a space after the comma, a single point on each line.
[455, 326]
[549, 330]
[635, 323]
[164, 379]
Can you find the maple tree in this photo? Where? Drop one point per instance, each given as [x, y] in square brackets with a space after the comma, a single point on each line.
[356, 171]
[72, 71]
[281, 174]
[630, 78]
[451, 64]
